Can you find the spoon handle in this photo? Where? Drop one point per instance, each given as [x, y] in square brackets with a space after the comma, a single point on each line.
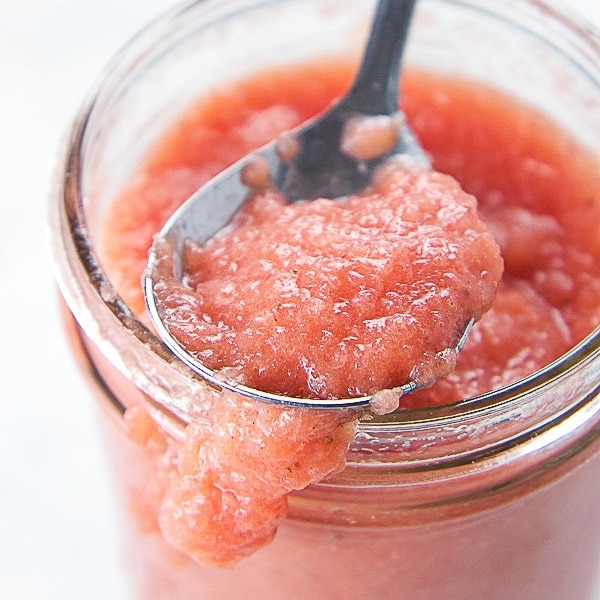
[380, 67]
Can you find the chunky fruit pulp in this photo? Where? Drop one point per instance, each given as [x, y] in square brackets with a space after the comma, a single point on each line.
[538, 193]
[336, 299]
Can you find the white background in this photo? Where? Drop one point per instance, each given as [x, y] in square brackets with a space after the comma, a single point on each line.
[58, 531]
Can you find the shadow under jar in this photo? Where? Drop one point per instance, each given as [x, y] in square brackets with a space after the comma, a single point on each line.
[494, 496]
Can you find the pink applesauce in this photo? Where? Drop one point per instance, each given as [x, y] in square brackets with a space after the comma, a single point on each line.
[336, 299]
[537, 192]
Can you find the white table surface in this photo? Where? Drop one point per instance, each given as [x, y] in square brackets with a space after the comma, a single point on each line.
[58, 534]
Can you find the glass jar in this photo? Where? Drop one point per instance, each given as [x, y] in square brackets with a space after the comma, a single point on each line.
[494, 497]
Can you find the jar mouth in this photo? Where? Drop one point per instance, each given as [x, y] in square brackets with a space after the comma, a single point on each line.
[72, 221]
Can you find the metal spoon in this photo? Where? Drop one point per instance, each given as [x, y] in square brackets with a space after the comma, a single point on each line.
[319, 168]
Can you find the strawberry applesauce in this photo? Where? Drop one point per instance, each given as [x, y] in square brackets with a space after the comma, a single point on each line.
[538, 194]
[336, 299]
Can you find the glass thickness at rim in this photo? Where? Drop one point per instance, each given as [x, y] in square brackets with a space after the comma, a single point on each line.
[75, 222]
